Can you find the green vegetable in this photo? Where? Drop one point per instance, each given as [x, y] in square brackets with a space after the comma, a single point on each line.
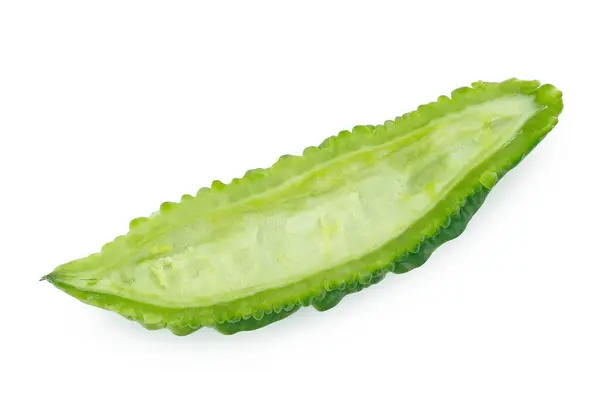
[314, 228]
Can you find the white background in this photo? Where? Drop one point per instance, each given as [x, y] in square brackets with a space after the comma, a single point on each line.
[109, 108]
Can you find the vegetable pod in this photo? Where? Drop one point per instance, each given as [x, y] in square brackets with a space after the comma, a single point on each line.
[314, 228]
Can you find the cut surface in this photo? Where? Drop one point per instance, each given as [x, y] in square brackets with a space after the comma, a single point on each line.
[332, 218]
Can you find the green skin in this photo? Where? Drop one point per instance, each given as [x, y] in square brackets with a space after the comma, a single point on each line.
[140, 275]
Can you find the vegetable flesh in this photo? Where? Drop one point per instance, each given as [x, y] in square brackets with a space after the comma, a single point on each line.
[313, 228]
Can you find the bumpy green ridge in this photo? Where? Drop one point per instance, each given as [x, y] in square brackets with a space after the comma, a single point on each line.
[323, 290]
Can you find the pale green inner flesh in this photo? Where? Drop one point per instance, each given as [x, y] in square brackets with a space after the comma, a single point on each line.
[348, 208]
